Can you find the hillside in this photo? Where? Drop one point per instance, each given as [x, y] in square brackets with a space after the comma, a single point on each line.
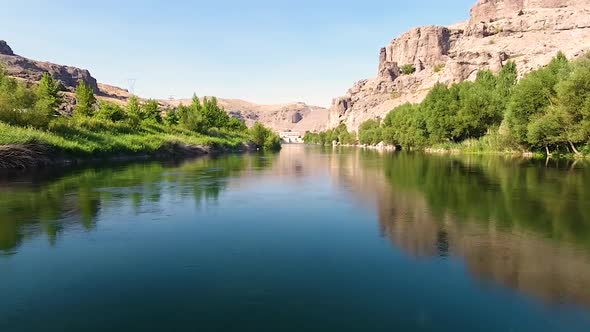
[279, 117]
[528, 32]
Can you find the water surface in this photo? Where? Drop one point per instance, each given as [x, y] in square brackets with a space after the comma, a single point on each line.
[309, 239]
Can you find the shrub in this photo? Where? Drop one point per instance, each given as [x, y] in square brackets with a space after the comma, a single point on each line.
[272, 142]
[264, 138]
[235, 124]
[408, 69]
[438, 68]
[110, 111]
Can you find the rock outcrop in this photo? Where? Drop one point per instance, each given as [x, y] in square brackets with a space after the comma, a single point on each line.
[31, 70]
[5, 49]
[528, 32]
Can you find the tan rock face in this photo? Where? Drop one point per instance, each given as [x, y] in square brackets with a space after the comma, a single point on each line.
[492, 10]
[419, 46]
[528, 32]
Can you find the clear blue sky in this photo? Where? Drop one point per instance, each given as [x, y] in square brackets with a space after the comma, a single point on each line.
[260, 50]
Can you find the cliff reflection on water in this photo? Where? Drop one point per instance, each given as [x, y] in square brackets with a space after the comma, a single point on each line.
[511, 221]
[516, 223]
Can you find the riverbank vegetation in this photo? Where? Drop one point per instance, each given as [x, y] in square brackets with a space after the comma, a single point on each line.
[339, 134]
[517, 181]
[30, 116]
[547, 111]
[78, 192]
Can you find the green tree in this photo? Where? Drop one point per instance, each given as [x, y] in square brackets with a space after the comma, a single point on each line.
[48, 95]
[259, 133]
[573, 98]
[85, 99]
[172, 118]
[506, 81]
[532, 95]
[133, 108]
[214, 116]
[272, 142]
[190, 117]
[406, 126]
[265, 138]
[546, 130]
[370, 132]
[16, 100]
[440, 107]
[152, 111]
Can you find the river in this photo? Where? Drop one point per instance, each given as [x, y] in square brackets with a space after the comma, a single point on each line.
[310, 239]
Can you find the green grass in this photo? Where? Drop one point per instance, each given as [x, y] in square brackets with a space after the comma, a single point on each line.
[96, 137]
[494, 144]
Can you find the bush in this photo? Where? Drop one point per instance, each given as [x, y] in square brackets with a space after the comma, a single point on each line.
[264, 138]
[236, 124]
[272, 142]
[21, 105]
[408, 69]
[370, 132]
[438, 68]
[110, 111]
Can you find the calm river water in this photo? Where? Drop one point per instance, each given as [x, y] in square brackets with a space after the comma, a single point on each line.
[310, 239]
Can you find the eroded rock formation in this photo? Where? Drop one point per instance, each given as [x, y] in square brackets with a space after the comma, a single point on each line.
[528, 32]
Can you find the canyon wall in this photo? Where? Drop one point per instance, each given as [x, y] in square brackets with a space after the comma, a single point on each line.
[528, 32]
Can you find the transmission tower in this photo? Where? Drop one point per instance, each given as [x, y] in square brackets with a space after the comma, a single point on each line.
[131, 82]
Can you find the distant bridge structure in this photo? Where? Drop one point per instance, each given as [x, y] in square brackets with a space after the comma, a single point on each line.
[293, 137]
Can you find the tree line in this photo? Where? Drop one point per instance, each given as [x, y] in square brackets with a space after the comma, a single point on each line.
[547, 110]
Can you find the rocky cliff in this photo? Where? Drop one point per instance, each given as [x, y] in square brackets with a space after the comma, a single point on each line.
[528, 32]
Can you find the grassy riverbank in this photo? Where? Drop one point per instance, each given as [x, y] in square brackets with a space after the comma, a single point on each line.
[87, 137]
[34, 130]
